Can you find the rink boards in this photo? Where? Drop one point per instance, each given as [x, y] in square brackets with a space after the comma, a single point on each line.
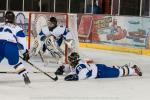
[116, 48]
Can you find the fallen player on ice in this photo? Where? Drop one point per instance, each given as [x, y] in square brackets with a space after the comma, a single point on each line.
[79, 69]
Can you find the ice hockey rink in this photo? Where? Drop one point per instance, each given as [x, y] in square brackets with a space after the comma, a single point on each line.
[42, 87]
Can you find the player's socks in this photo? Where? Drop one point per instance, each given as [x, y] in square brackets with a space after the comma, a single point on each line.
[129, 71]
[20, 69]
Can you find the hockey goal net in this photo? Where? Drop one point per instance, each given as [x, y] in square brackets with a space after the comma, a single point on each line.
[38, 20]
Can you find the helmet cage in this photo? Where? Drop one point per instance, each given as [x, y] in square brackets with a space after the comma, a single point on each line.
[73, 58]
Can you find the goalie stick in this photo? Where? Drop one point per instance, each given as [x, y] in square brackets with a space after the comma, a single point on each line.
[55, 79]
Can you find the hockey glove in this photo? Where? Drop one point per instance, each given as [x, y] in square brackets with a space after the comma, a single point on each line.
[44, 48]
[26, 56]
[73, 77]
[60, 70]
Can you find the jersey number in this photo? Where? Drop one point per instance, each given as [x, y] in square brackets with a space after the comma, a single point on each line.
[79, 68]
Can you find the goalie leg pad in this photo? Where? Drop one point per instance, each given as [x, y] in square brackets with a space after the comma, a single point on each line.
[37, 46]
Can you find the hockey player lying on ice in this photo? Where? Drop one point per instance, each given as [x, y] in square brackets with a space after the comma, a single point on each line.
[80, 70]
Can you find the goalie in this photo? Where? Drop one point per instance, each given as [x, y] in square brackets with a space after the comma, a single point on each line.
[80, 69]
[51, 37]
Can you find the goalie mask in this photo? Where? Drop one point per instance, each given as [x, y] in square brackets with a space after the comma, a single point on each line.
[9, 17]
[73, 59]
[52, 23]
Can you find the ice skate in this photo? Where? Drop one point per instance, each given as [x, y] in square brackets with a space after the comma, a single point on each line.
[137, 70]
[26, 79]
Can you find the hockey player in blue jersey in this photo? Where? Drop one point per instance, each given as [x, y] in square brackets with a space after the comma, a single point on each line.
[12, 38]
[79, 70]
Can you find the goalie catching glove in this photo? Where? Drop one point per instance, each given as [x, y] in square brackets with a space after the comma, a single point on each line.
[51, 43]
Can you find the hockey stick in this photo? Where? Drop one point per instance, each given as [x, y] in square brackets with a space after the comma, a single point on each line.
[41, 56]
[54, 54]
[12, 72]
[55, 79]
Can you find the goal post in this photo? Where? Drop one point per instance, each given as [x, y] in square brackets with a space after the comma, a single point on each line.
[38, 19]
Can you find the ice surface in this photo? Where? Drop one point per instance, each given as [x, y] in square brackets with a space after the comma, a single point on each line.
[12, 86]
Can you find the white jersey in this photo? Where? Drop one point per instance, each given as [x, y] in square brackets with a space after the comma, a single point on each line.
[84, 70]
[13, 33]
[58, 32]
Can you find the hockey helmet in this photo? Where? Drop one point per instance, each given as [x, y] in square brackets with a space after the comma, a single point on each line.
[73, 58]
[9, 17]
[53, 20]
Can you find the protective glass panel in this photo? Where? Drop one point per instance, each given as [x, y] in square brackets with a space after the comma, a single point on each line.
[2, 4]
[130, 7]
